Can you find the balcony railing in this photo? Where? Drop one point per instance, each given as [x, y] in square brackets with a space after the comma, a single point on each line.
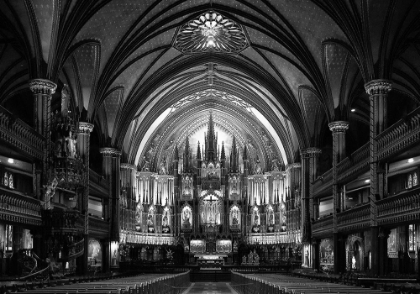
[17, 133]
[352, 165]
[98, 225]
[324, 225]
[402, 207]
[354, 218]
[16, 207]
[401, 135]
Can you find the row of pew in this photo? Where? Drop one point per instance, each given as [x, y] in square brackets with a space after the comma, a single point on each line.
[287, 284]
[140, 284]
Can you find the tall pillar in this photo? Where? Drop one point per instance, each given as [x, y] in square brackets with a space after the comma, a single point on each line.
[378, 92]
[43, 91]
[111, 170]
[308, 175]
[338, 129]
[83, 145]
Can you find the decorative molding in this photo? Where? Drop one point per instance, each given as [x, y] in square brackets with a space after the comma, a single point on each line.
[310, 152]
[85, 127]
[338, 126]
[108, 151]
[293, 165]
[128, 166]
[377, 87]
[42, 86]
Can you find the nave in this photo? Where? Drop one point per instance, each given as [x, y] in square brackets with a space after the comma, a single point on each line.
[267, 283]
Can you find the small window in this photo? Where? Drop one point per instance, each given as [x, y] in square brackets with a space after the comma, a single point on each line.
[415, 180]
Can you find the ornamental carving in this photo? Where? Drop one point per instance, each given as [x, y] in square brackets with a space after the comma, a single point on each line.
[109, 151]
[211, 32]
[338, 126]
[375, 87]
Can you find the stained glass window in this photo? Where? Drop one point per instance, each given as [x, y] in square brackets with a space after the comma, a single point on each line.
[415, 181]
[410, 182]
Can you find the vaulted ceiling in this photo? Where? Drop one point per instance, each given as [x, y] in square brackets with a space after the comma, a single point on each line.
[274, 73]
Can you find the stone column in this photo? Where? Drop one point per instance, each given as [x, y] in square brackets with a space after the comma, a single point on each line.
[308, 157]
[378, 91]
[111, 170]
[43, 91]
[338, 129]
[83, 145]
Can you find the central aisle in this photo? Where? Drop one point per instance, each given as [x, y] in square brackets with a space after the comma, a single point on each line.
[210, 288]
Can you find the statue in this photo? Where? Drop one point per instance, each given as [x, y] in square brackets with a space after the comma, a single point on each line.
[258, 168]
[256, 219]
[271, 218]
[150, 220]
[162, 168]
[256, 257]
[186, 217]
[165, 219]
[146, 165]
[244, 259]
[250, 257]
[235, 217]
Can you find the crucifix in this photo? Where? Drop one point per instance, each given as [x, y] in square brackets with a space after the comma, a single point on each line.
[212, 209]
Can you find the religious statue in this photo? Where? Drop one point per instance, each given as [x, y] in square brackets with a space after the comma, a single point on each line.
[244, 259]
[258, 168]
[235, 220]
[162, 168]
[256, 257]
[250, 257]
[256, 219]
[150, 220]
[271, 218]
[186, 217]
[165, 219]
[234, 185]
[146, 165]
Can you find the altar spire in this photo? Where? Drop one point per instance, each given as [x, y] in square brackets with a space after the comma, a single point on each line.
[211, 141]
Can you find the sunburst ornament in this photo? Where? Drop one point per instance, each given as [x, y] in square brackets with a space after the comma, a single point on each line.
[211, 32]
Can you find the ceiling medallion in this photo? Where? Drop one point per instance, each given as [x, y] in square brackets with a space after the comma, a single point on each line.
[211, 32]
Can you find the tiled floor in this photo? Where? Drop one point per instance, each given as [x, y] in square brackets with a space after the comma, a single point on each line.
[210, 288]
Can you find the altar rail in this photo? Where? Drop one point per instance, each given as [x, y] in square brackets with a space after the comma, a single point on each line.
[17, 133]
[355, 218]
[402, 207]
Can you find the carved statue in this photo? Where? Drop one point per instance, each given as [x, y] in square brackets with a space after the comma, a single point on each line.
[258, 168]
[150, 220]
[244, 259]
[235, 220]
[186, 217]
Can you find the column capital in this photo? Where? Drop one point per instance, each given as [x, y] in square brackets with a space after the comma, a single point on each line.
[338, 126]
[42, 86]
[128, 166]
[379, 86]
[85, 127]
[107, 151]
[310, 152]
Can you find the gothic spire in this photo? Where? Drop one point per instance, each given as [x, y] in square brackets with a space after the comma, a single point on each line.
[223, 155]
[198, 151]
[187, 156]
[210, 141]
[234, 165]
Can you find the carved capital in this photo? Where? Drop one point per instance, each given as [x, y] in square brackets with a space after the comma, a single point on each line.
[41, 86]
[376, 87]
[85, 127]
[310, 152]
[107, 151]
[338, 126]
[128, 166]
